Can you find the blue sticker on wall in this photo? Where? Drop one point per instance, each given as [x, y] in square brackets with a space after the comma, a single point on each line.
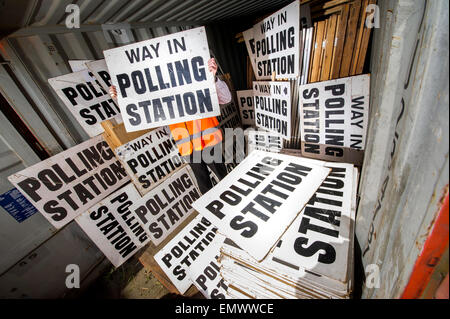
[17, 205]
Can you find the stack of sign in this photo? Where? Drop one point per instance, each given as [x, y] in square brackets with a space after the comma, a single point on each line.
[313, 259]
[289, 227]
[89, 183]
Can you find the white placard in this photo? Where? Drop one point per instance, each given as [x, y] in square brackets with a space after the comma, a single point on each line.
[318, 240]
[263, 141]
[188, 245]
[86, 100]
[228, 117]
[276, 41]
[100, 71]
[164, 80]
[273, 107]
[65, 185]
[113, 227]
[334, 113]
[150, 158]
[250, 45]
[255, 203]
[246, 106]
[78, 65]
[205, 271]
[167, 205]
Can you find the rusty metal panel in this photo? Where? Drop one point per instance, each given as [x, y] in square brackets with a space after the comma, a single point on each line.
[405, 169]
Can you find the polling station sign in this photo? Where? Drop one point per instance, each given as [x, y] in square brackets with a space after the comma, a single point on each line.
[273, 107]
[319, 239]
[246, 107]
[65, 185]
[255, 203]
[189, 244]
[99, 70]
[263, 141]
[113, 227]
[150, 158]
[334, 114]
[205, 271]
[276, 44]
[89, 103]
[167, 205]
[164, 80]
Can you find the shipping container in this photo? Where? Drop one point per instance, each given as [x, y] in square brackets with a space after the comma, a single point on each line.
[402, 215]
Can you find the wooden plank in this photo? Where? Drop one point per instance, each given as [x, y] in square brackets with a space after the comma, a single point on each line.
[350, 38]
[329, 46]
[359, 36]
[317, 51]
[340, 39]
[322, 53]
[116, 135]
[313, 49]
[364, 46]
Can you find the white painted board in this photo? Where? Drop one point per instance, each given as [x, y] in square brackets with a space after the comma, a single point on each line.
[320, 237]
[273, 107]
[78, 65]
[167, 205]
[246, 106]
[335, 113]
[164, 80]
[277, 47]
[65, 185]
[113, 227]
[263, 141]
[89, 103]
[205, 271]
[188, 245]
[100, 71]
[257, 201]
[150, 158]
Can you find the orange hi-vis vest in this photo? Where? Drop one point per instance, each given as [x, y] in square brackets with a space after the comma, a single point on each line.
[196, 134]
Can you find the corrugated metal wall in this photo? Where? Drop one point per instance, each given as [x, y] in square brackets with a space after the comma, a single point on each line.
[405, 172]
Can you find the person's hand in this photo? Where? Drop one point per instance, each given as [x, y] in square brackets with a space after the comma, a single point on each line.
[113, 92]
[212, 66]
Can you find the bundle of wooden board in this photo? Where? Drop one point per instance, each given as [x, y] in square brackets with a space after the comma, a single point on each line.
[340, 39]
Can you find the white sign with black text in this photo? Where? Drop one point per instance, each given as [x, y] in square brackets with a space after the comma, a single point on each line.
[319, 239]
[263, 141]
[276, 44]
[189, 244]
[246, 106]
[89, 103]
[100, 71]
[164, 80]
[273, 107]
[205, 271]
[167, 205]
[149, 158]
[334, 113]
[255, 203]
[113, 227]
[65, 185]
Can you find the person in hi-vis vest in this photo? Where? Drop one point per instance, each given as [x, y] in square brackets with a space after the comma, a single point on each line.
[200, 135]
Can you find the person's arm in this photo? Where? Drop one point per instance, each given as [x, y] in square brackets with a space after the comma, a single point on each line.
[223, 92]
